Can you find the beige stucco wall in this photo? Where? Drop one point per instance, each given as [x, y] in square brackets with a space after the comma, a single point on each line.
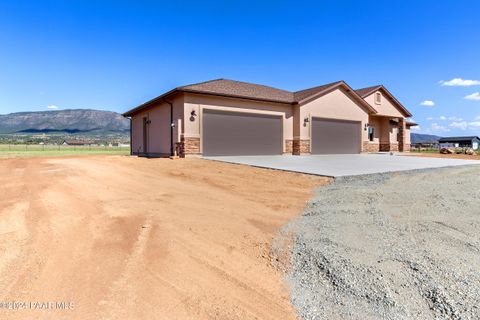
[386, 107]
[393, 132]
[198, 103]
[334, 105]
[159, 129]
[407, 135]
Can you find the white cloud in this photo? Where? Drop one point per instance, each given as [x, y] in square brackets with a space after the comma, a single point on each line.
[52, 107]
[475, 124]
[462, 125]
[415, 128]
[438, 128]
[443, 118]
[428, 103]
[455, 118]
[473, 96]
[459, 82]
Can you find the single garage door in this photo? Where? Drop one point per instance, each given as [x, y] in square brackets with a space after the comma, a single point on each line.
[331, 136]
[236, 133]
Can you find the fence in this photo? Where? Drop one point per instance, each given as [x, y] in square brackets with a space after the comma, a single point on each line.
[74, 148]
[424, 149]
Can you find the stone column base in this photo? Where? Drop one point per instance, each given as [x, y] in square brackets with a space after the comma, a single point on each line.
[301, 146]
[370, 147]
[288, 146]
[188, 147]
[385, 147]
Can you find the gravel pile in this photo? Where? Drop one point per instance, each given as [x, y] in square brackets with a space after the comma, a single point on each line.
[396, 246]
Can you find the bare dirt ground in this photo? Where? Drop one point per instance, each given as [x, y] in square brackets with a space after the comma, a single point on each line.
[131, 238]
[389, 246]
[447, 156]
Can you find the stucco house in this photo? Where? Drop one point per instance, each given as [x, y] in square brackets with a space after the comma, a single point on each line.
[226, 117]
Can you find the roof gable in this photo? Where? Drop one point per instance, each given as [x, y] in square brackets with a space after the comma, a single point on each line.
[307, 95]
[366, 92]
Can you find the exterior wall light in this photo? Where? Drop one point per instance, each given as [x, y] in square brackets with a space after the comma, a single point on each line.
[193, 114]
[366, 126]
[305, 121]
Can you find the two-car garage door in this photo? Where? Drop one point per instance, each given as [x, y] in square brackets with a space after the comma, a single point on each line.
[330, 136]
[237, 133]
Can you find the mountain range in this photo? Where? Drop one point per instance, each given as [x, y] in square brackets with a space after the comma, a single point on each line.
[423, 138]
[77, 121]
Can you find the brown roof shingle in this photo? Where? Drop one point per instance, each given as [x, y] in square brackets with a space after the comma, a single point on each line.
[305, 94]
[245, 90]
[365, 91]
[240, 89]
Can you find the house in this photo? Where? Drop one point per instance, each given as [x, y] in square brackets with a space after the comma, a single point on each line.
[78, 143]
[460, 142]
[226, 117]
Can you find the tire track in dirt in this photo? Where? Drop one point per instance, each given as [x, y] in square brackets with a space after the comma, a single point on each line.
[202, 252]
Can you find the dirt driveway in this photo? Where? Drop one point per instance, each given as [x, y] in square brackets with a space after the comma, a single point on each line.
[129, 238]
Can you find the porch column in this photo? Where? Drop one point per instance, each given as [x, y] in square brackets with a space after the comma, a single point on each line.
[401, 135]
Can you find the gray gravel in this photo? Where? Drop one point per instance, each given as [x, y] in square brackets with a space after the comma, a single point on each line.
[394, 246]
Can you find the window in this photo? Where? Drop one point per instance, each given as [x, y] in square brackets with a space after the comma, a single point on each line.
[370, 134]
[378, 97]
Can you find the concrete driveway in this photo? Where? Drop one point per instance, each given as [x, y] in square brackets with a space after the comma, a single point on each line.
[344, 165]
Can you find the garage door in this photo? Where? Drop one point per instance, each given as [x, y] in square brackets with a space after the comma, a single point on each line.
[331, 136]
[235, 133]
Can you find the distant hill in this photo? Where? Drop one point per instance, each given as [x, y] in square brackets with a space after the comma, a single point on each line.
[78, 121]
[423, 138]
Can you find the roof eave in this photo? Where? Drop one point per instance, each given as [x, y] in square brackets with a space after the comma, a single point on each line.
[149, 103]
[180, 89]
[225, 95]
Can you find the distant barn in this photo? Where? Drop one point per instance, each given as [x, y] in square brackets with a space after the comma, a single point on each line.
[460, 142]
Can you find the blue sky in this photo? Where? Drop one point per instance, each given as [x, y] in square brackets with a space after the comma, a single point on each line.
[114, 55]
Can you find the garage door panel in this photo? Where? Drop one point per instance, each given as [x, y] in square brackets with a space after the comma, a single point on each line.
[237, 133]
[330, 136]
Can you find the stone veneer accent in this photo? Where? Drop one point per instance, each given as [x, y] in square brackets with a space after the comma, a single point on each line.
[188, 146]
[301, 146]
[289, 146]
[370, 147]
[388, 147]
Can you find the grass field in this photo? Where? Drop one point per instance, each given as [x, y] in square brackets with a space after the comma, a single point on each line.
[28, 151]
